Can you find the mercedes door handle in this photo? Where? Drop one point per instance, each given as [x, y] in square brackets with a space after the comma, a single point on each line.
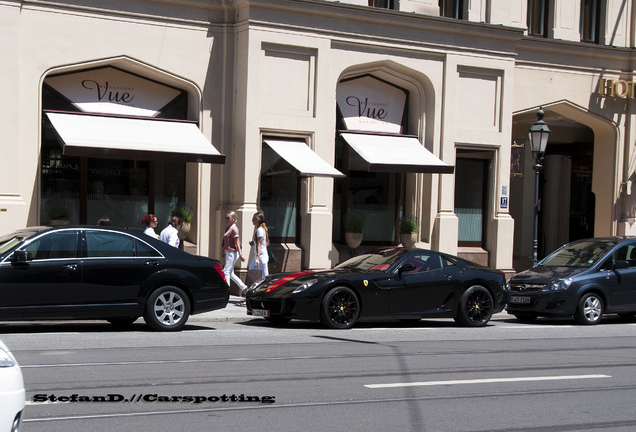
[70, 267]
[152, 263]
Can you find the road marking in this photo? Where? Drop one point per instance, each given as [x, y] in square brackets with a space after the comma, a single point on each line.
[487, 381]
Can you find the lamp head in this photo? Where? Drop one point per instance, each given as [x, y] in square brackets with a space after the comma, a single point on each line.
[539, 134]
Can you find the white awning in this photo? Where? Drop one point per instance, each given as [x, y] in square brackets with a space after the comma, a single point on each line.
[303, 159]
[132, 138]
[395, 153]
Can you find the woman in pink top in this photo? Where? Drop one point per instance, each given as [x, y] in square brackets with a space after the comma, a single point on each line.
[232, 251]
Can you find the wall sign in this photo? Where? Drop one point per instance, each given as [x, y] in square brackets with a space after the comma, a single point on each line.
[368, 104]
[616, 88]
[112, 91]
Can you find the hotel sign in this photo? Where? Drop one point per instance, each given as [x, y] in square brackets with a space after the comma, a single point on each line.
[371, 105]
[112, 91]
[616, 88]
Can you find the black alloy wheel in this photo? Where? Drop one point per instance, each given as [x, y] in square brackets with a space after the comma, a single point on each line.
[475, 307]
[167, 309]
[340, 308]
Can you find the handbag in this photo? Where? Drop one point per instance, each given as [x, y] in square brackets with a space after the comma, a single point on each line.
[253, 276]
[270, 256]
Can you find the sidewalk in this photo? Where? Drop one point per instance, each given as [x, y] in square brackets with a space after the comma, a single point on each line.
[234, 312]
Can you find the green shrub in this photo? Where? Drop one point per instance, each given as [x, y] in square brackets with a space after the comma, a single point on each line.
[353, 222]
[184, 211]
[409, 224]
[58, 208]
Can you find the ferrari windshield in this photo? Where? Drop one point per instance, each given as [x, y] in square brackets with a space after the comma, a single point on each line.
[378, 260]
[579, 254]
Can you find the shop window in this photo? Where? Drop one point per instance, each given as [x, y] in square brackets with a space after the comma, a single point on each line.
[471, 191]
[538, 18]
[122, 190]
[279, 197]
[452, 9]
[383, 4]
[379, 196]
[590, 21]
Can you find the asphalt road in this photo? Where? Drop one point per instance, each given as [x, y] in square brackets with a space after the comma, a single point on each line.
[248, 376]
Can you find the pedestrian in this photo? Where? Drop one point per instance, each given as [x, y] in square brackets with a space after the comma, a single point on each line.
[170, 234]
[232, 252]
[150, 221]
[104, 221]
[260, 242]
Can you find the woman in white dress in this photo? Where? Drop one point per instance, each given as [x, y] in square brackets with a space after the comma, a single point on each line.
[260, 241]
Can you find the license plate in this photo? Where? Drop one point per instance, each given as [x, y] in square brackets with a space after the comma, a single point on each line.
[260, 312]
[519, 299]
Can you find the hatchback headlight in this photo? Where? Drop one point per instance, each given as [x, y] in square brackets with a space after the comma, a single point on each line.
[5, 359]
[560, 285]
[306, 285]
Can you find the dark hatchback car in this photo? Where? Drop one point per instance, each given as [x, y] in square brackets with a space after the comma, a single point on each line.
[585, 279]
[397, 283]
[104, 273]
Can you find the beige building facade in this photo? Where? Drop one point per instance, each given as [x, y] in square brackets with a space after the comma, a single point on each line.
[100, 101]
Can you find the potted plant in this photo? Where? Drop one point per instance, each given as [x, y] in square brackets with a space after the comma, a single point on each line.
[59, 211]
[353, 226]
[408, 228]
[184, 211]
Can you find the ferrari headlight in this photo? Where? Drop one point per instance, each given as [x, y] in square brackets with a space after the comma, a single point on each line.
[306, 285]
[256, 284]
[560, 284]
[5, 359]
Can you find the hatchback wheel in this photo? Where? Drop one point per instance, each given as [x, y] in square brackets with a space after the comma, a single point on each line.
[340, 308]
[167, 309]
[475, 307]
[589, 310]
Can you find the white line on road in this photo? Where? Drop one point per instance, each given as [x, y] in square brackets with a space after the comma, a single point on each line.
[487, 381]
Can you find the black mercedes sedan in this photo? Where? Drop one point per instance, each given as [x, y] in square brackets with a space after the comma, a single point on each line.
[104, 273]
[398, 283]
[584, 279]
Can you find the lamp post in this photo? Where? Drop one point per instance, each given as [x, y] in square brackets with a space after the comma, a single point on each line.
[538, 133]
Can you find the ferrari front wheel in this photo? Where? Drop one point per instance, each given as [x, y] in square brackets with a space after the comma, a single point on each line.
[475, 307]
[340, 308]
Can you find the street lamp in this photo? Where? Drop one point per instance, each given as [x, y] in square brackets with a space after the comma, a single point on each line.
[538, 133]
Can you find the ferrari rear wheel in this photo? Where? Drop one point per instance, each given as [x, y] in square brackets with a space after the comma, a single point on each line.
[340, 308]
[475, 307]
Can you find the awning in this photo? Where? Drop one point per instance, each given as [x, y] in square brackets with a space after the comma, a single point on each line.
[132, 138]
[395, 153]
[303, 159]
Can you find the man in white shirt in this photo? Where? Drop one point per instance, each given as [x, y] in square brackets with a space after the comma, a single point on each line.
[170, 234]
